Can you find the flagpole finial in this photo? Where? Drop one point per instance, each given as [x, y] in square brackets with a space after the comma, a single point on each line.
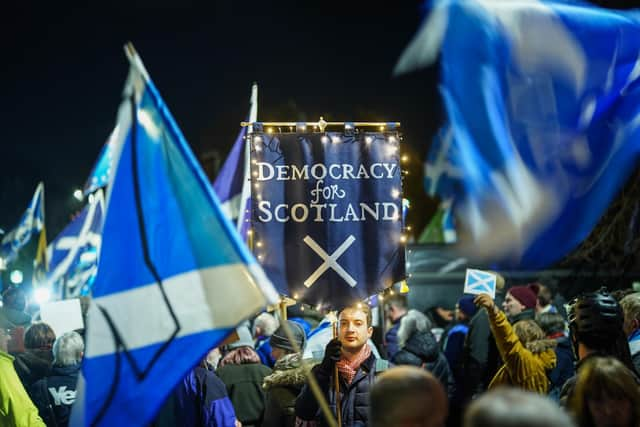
[130, 51]
[322, 124]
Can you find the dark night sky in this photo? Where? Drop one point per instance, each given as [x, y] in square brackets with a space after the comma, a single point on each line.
[63, 70]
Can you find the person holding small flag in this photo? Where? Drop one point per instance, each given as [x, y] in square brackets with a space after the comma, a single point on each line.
[526, 354]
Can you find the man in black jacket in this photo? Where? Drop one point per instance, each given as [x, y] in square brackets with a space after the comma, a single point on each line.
[357, 368]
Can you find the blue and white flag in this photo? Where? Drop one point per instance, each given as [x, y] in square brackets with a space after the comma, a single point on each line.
[75, 252]
[544, 120]
[480, 282]
[101, 172]
[174, 278]
[233, 183]
[327, 213]
[32, 221]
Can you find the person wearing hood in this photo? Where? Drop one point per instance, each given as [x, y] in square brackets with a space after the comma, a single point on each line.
[526, 354]
[12, 311]
[284, 384]
[418, 347]
[35, 362]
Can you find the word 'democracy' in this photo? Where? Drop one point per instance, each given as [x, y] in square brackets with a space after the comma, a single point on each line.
[325, 200]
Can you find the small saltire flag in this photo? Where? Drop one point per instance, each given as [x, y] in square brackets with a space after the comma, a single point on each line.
[99, 176]
[32, 221]
[174, 278]
[480, 282]
[75, 251]
[543, 110]
[233, 183]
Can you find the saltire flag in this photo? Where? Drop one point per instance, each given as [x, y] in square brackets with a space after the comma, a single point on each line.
[174, 278]
[75, 251]
[99, 176]
[233, 183]
[31, 222]
[543, 110]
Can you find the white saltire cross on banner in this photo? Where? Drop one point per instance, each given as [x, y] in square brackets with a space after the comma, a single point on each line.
[330, 261]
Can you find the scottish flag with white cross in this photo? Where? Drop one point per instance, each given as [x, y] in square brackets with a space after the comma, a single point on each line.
[174, 278]
[480, 282]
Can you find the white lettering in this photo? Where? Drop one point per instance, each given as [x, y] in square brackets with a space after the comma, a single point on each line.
[305, 212]
[362, 172]
[390, 167]
[331, 168]
[347, 171]
[62, 396]
[280, 219]
[299, 173]
[374, 214]
[264, 207]
[332, 218]
[373, 168]
[388, 206]
[318, 208]
[350, 215]
[261, 169]
[283, 172]
[322, 168]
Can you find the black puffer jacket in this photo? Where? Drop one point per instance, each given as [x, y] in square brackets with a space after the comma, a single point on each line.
[354, 397]
[418, 347]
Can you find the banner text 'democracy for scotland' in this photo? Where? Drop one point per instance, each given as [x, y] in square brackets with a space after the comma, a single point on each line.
[326, 213]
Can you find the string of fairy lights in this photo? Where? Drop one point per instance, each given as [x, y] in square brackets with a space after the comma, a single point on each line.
[392, 138]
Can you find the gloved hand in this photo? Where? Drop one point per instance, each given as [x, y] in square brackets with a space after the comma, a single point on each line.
[332, 353]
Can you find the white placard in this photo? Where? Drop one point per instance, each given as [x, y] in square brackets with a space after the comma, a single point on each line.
[63, 316]
[480, 282]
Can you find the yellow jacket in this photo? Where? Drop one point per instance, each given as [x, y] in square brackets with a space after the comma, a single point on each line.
[16, 408]
[521, 368]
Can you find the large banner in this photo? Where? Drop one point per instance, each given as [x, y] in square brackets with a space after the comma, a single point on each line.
[327, 213]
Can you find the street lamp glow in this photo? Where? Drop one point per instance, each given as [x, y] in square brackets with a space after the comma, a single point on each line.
[16, 277]
[78, 194]
[41, 295]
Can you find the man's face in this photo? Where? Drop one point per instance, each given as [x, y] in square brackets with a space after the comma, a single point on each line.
[353, 329]
[629, 325]
[512, 306]
[277, 353]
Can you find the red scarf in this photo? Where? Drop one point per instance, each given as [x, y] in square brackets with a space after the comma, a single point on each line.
[348, 368]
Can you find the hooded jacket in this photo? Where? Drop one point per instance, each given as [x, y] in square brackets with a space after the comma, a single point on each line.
[32, 365]
[282, 387]
[418, 347]
[524, 367]
[16, 408]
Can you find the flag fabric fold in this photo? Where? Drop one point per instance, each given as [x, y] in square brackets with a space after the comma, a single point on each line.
[173, 279]
[31, 222]
[543, 120]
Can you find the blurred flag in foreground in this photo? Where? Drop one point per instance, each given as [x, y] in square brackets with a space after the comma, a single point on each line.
[174, 278]
[544, 120]
[32, 221]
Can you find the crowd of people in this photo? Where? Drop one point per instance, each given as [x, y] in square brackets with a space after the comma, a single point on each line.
[519, 359]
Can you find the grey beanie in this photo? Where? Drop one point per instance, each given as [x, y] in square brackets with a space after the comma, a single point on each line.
[279, 338]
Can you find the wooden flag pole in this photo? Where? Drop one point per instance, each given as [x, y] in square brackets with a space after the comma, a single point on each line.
[336, 382]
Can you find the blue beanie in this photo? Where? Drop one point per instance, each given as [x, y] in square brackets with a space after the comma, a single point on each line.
[466, 305]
